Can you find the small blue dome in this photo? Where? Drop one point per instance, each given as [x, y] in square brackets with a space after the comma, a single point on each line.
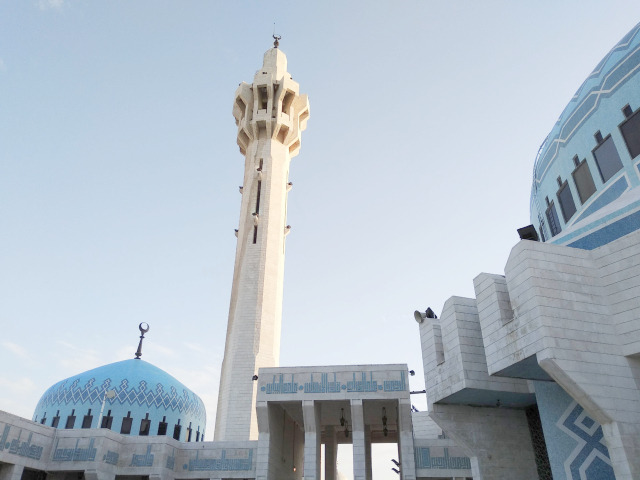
[586, 172]
[147, 401]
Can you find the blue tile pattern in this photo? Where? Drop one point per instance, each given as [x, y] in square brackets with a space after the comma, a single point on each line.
[140, 388]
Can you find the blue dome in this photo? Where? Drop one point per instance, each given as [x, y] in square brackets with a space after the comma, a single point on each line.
[147, 401]
[586, 173]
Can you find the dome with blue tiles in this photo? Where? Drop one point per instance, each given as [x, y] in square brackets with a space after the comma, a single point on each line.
[139, 399]
[586, 175]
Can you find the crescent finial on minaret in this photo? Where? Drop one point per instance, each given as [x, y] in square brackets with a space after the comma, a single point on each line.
[143, 330]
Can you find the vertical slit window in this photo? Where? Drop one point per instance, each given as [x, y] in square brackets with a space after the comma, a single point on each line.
[583, 180]
[189, 432]
[71, 420]
[255, 233]
[176, 431]
[607, 158]
[145, 426]
[126, 424]
[630, 130]
[87, 420]
[162, 426]
[567, 205]
[56, 420]
[552, 218]
[107, 421]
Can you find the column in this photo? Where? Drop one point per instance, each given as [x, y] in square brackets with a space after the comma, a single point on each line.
[312, 439]
[11, 472]
[330, 453]
[367, 452]
[357, 425]
[405, 441]
[264, 452]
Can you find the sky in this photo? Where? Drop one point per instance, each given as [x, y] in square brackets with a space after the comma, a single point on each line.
[119, 171]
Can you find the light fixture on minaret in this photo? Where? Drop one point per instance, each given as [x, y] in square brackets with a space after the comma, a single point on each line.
[270, 115]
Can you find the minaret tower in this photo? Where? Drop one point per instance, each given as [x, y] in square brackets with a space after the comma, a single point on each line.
[270, 115]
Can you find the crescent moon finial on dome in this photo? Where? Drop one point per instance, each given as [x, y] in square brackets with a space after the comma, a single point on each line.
[142, 331]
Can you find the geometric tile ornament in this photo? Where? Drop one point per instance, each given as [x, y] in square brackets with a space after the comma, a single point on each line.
[165, 392]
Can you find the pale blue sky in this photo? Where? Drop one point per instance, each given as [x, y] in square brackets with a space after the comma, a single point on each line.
[119, 171]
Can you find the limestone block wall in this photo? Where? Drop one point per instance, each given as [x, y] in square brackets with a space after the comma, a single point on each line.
[424, 427]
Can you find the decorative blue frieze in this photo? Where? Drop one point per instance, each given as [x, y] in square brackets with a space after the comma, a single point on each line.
[74, 454]
[74, 394]
[361, 385]
[424, 459]
[171, 461]
[24, 449]
[143, 460]
[111, 457]
[220, 464]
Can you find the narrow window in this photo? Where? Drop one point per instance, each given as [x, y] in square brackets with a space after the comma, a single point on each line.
[255, 233]
[56, 420]
[71, 420]
[87, 420]
[176, 431]
[607, 158]
[198, 435]
[583, 179]
[598, 137]
[258, 197]
[145, 426]
[630, 130]
[552, 218]
[107, 421]
[162, 426]
[567, 205]
[262, 97]
[189, 432]
[44, 419]
[126, 424]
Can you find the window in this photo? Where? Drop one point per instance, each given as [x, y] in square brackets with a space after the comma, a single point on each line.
[189, 432]
[56, 420]
[176, 431]
[583, 180]
[71, 420]
[87, 420]
[607, 158]
[107, 421]
[125, 429]
[630, 130]
[567, 205]
[44, 419]
[162, 426]
[145, 426]
[552, 218]
[198, 435]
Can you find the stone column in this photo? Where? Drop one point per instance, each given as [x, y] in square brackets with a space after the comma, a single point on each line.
[11, 472]
[330, 453]
[405, 441]
[264, 453]
[367, 452]
[357, 426]
[312, 439]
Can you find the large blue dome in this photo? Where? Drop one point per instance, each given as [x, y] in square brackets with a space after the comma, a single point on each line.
[586, 175]
[147, 401]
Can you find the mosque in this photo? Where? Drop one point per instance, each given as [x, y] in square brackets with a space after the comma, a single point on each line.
[537, 377]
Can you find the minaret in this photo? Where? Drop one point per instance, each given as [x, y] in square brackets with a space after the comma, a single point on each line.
[270, 115]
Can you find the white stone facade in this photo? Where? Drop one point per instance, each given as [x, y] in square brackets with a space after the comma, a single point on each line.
[270, 114]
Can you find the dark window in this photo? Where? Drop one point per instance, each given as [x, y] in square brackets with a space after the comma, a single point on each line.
[607, 159]
[126, 424]
[87, 420]
[176, 431]
[198, 435]
[189, 432]
[255, 234]
[145, 426]
[71, 420]
[630, 130]
[56, 420]
[583, 180]
[626, 110]
[552, 218]
[107, 421]
[162, 426]
[567, 205]
[44, 419]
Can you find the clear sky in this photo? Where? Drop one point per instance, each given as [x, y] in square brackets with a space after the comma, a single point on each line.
[119, 171]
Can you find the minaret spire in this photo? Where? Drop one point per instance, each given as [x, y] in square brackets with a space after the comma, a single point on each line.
[270, 115]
